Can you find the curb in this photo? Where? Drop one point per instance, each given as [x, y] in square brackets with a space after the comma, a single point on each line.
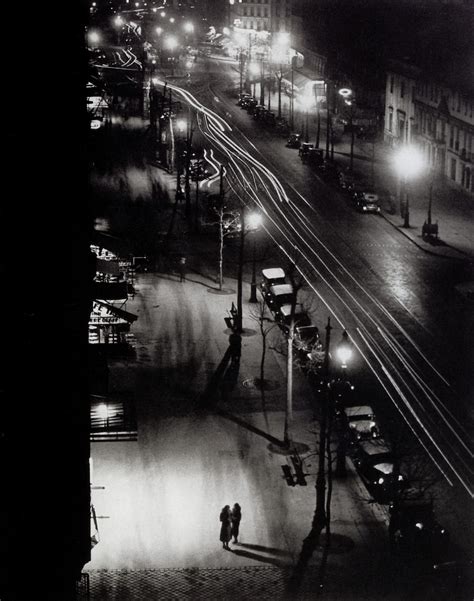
[426, 250]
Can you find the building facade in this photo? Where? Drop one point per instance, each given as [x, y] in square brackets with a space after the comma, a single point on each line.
[437, 118]
[263, 15]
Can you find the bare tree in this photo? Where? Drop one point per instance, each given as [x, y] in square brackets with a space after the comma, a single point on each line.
[258, 313]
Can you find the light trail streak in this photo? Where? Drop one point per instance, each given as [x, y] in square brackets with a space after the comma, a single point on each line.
[240, 162]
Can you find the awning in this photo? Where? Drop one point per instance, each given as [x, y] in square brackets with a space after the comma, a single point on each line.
[130, 317]
[115, 245]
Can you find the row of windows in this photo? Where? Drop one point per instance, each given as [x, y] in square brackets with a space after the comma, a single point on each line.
[255, 1]
[258, 25]
[250, 12]
[457, 103]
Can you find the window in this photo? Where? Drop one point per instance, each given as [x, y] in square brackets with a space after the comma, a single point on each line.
[402, 89]
[453, 169]
[390, 121]
[451, 137]
[391, 84]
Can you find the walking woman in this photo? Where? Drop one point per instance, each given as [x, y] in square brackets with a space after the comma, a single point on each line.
[235, 517]
[225, 535]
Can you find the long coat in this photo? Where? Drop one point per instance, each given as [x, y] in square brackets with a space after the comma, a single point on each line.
[225, 526]
[235, 516]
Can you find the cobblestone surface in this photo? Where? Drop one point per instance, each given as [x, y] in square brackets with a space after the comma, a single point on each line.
[210, 584]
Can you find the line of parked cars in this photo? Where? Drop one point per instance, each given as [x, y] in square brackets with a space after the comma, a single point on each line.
[261, 113]
[362, 195]
[413, 528]
[279, 297]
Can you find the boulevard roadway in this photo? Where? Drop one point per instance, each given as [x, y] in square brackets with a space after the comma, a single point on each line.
[392, 299]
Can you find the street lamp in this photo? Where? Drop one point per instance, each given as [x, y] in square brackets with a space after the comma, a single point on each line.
[188, 27]
[254, 221]
[408, 164]
[254, 70]
[94, 38]
[347, 94]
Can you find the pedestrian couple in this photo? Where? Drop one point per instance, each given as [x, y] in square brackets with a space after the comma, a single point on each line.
[230, 521]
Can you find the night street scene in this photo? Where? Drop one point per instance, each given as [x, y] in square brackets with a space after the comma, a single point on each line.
[253, 223]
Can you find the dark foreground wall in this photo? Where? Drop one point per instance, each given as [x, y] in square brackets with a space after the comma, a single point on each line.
[44, 519]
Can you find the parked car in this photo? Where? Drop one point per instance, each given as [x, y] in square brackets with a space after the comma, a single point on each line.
[269, 118]
[314, 157]
[250, 105]
[294, 140]
[259, 112]
[246, 101]
[377, 467]
[243, 97]
[304, 148]
[278, 295]
[300, 317]
[273, 275]
[361, 422]
[415, 532]
[366, 201]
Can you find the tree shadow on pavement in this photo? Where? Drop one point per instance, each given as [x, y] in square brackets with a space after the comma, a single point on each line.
[244, 424]
[208, 398]
[271, 560]
[272, 550]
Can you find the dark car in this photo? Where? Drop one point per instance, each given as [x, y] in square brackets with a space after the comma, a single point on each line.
[250, 105]
[414, 531]
[243, 98]
[259, 112]
[314, 157]
[304, 149]
[294, 141]
[300, 317]
[278, 295]
[377, 467]
[366, 201]
[361, 422]
[269, 118]
[271, 276]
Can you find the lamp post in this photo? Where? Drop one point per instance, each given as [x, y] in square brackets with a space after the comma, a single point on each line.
[347, 94]
[408, 163]
[343, 354]
[171, 43]
[254, 221]
[118, 22]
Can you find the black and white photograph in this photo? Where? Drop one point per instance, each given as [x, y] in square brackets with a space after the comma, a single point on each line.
[239, 301]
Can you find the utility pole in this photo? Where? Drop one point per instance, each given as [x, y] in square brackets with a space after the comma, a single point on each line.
[221, 225]
[262, 82]
[187, 187]
[239, 316]
[320, 513]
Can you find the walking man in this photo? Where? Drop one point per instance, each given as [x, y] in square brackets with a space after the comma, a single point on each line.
[182, 269]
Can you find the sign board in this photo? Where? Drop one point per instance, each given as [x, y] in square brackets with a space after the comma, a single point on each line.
[95, 124]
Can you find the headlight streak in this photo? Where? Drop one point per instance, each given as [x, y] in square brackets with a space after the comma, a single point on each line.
[216, 134]
[405, 401]
[422, 386]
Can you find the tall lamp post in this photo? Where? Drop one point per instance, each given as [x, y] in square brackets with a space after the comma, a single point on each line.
[408, 164]
[254, 221]
[343, 355]
[348, 96]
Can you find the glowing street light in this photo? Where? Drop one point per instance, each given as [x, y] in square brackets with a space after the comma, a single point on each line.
[159, 30]
[188, 27]
[162, 14]
[226, 31]
[172, 19]
[408, 164]
[344, 350]
[171, 43]
[93, 37]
